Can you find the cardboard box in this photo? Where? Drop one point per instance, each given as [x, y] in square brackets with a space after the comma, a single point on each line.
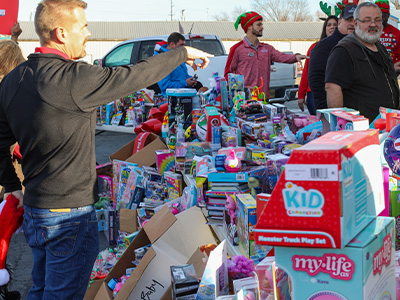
[173, 243]
[329, 191]
[128, 220]
[144, 157]
[363, 270]
[93, 289]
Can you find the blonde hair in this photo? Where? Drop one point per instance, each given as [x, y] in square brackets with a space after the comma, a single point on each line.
[51, 14]
[10, 57]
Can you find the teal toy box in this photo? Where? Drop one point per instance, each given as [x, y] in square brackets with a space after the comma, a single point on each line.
[363, 270]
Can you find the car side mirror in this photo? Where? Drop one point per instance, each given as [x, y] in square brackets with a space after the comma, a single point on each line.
[97, 62]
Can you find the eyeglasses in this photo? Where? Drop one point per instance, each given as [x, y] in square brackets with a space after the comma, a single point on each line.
[369, 22]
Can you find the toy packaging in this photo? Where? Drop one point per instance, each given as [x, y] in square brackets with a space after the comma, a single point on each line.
[348, 121]
[265, 276]
[215, 277]
[180, 106]
[363, 270]
[165, 161]
[330, 189]
[326, 117]
[184, 282]
[174, 185]
[185, 152]
[246, 222]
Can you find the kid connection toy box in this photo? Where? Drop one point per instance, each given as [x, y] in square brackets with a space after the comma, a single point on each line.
[363, 270]
[329, 191]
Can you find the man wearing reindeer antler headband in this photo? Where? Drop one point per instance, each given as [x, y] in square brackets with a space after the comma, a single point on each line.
[360, 73]
[319, 55]
[390, 37]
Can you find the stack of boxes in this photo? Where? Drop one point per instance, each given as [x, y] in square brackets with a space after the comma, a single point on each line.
[322, 218]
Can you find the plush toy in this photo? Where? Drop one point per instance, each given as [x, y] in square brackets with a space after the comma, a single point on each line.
[231, 207]
[240, 267]
[10, 220]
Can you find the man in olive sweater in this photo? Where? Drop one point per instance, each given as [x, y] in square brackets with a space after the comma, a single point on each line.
[48, 105]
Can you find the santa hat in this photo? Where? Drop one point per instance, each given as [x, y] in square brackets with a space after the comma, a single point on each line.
[10, 220]
[383, 5]
[246, 19]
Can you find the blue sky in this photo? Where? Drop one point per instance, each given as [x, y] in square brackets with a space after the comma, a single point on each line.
[157, 10]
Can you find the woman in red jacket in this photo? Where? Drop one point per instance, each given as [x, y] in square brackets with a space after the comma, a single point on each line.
[305, 94]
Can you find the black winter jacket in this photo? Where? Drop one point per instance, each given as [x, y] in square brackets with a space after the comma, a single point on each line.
[316, 69]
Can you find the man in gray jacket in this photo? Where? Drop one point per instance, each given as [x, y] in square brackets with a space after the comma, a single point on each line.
[48, 105]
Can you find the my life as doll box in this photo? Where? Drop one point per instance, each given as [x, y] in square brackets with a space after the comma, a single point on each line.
[363, 270]
[330, 189]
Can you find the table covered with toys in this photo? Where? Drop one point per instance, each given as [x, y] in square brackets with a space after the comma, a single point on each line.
[226, 195]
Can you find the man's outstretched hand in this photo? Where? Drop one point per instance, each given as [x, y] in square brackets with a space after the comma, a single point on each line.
[193, 53]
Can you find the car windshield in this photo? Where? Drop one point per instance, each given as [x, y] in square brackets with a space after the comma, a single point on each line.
[209, 46]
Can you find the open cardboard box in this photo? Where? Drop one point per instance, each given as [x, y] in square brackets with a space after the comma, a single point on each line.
[174, 241]
[128, 220]
[146, 156]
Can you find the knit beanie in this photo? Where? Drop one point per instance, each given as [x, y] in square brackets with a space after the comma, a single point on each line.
[383, 5]
[246, 19]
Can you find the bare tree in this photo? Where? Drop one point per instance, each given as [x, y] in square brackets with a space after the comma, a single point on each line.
[225, 16]
[283, 10]
[396, 3]
[222, 16]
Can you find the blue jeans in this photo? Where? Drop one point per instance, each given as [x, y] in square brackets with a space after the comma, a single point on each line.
[311, 104]
[64, 247]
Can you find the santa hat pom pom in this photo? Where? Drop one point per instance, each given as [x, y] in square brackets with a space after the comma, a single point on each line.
[4, 277]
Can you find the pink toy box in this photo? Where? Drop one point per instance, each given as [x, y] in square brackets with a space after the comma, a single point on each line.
[329, 191]
[363, 270]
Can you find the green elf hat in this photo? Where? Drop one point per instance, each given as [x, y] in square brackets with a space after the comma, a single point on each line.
[246, 19]
[383, 5]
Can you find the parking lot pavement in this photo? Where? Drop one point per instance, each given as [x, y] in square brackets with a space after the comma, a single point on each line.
[19, 253]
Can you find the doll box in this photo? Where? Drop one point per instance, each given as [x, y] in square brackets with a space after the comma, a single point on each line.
[363, 270]
[329, 191]
[348, 121]
[246, 221]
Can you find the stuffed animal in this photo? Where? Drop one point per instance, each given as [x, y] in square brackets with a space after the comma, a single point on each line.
[10, 220]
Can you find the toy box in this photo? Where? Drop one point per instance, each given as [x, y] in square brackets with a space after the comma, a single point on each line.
[235, 85]
[270, 110]
[252, 129]
[364, 269]
[394, 195]
[330, 189]
[165, 160]
[174, 185]
[348, 121]
[325, 115]
[186, 151]
[246, 221]
[180, 106]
